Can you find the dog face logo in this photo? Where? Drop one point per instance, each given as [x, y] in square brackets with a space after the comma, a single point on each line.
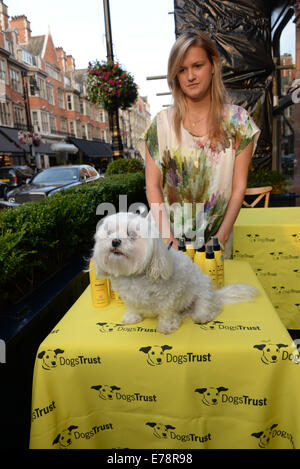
[107, 326]
[160, 430]
[279, 290]
[209, 325]
[296, 237]
[210, 395]
[106, 392]
[276, 256]
[155, 353]
[253, 237]
[270, 352]
[64, 439]
[49, 358]
[264, 436]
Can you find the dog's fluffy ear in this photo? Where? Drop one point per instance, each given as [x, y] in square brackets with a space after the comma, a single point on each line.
[99, 272]
[160, 265]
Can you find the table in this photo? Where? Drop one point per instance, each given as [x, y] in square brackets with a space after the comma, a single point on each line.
[269, 239]
[231, 383]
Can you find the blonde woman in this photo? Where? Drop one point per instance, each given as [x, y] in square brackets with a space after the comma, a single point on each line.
[198, 151]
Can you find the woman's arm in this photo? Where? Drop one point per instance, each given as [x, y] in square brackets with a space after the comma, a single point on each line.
[239, 185]
[155, 199]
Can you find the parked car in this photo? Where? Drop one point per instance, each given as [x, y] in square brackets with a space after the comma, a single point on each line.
[4, 188]
[51, 180]
[15, 176]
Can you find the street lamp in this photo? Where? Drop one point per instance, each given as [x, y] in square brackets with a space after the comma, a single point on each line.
[31, 81]
[117, 146]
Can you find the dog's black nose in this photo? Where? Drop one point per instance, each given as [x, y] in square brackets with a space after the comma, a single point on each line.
[116, 242]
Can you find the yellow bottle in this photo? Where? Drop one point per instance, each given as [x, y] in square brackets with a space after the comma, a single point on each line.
[99, 288]
[115, 295]
[210, 265]
[199, 257]
[220, 261]
[190, 251]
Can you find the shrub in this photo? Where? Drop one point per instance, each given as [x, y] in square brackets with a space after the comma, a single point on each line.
[260, 177]
[36, 239]
[125, 165]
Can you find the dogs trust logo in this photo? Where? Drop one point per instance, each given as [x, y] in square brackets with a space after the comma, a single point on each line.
[212, 396]
[109, 393]
[51, 358]
[266, 436]
[108, 327]
[273, 353]
[65, 438]
[155, 354]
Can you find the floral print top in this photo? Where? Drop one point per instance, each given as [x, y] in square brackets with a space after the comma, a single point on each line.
[197, 174]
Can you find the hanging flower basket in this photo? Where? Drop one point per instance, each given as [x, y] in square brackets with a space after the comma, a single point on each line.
[109, 85]
[27, 138]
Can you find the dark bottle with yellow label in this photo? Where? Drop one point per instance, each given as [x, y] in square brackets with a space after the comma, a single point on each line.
[199, 257]
[210, 265]
[220, 261]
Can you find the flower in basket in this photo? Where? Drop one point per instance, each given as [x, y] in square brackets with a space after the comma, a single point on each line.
[36, 139]
[111, 86]
[25, 137]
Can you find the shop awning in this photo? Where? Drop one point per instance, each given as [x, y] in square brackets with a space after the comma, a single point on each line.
[9, 147]
[12, 136]
[92, 148]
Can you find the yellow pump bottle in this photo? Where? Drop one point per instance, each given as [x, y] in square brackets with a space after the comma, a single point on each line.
[219, 260]
[99, 288]
[210, 265]
[199, 257]
[115, 295]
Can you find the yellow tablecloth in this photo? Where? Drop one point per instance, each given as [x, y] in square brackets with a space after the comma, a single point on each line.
[232, 383]
[269, 239]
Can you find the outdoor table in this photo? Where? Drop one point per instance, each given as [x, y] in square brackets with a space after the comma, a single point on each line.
[231, 383]
[269, 239]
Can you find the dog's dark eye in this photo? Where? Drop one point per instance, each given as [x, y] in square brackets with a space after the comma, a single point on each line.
[132, 234]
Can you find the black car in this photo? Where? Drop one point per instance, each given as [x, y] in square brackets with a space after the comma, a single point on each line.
[51, 180]
[14, 176]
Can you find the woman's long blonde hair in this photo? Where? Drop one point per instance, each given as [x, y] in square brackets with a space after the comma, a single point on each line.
[219, 95]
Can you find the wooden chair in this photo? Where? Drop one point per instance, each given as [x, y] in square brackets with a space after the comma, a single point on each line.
[260, 192]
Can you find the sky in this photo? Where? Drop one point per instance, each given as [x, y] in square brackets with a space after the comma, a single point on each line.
[143, 33]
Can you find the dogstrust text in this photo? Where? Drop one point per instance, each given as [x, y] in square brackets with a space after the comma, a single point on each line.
[189, 218]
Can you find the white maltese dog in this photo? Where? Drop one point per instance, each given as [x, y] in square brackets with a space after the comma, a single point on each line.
[154, 281]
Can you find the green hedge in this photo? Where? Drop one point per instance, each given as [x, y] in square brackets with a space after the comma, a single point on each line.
[36, 239]
[124, 165]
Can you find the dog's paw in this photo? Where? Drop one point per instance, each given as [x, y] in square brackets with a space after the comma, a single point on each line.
[202, 318]
[131, 317]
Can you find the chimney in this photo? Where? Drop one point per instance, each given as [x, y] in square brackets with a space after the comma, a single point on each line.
[22, 24]
[70, 63]
[3, 16]
[62, 58]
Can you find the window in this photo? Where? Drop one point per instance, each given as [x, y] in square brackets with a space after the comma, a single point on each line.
[72, 129]
[5, 118]
[53, 72]
[90, 132]
[50, 95]
[2, 70]
[35, 121]
[53, 126]
[69, 102]
[83, 131]
[61, 98]
[76, 103]
[45, 121]
[63, 125]
[19, 116]
[42, 88]
[15, 79]
[78, 131]
[29, 58]
[81, 108]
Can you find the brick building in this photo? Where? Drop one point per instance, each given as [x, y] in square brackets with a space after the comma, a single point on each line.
[72, 128]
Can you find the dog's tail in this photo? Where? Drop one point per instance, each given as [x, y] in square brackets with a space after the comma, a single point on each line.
[237, 292]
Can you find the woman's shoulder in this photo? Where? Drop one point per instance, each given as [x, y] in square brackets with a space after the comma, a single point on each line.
[233, 111]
